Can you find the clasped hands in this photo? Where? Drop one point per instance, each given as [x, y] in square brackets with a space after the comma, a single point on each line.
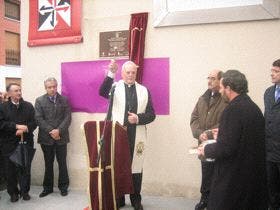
[55, 134]
[21, 129]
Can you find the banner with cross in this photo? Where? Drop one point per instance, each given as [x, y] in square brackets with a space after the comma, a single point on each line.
[54, 22]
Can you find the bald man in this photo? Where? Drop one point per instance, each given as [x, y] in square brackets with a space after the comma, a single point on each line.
[205, 117]
[131, 105]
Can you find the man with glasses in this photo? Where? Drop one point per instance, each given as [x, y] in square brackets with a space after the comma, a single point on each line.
[204, 118]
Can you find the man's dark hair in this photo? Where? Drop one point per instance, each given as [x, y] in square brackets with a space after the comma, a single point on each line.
[10, 85]
[219, 75]
[236, 81]
[276, 63]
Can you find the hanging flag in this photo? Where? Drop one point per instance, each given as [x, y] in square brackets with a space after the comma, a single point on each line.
[136, 43]
[54, 22]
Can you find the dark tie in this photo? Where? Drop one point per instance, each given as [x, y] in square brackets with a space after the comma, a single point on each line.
[277, 94]
[52, 99]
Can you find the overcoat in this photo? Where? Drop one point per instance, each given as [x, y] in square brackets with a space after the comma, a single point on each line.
[239, 180]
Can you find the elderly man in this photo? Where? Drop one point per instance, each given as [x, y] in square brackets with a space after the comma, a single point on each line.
[239, 180]
[53, 116]
[206, 116]
[17, 121]
[272, 137]
[131, 105]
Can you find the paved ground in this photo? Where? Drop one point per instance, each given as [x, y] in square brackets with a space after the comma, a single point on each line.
[77, 200]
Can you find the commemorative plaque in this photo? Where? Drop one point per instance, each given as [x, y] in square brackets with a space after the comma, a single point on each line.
[113, 44]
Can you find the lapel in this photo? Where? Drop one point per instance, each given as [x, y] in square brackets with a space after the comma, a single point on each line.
[213, 101]
[271, 97]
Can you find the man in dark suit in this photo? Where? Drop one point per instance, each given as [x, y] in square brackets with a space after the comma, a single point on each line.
[17, 121]
[239, 180]
[272, 137]
[53, 116]
[131, 105]
[205, 117]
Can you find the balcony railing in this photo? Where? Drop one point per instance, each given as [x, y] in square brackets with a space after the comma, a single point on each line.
[12, 57]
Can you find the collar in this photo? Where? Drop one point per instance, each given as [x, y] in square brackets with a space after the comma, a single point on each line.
[52, 96]
[208, 93]
[129, 85]
[19, 102]
[15, 103]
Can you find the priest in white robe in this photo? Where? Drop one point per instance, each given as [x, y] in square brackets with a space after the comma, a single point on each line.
[130, 105]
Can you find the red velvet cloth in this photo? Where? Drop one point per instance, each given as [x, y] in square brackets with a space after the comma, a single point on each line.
[123, 173]
[91, 138]
[136, 44]
[122, 164]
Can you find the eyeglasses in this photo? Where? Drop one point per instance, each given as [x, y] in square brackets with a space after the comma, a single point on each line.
[211, 78]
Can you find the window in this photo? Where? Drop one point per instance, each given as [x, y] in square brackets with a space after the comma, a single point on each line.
[12, 9]
[185, 12]
[10, 80]
[12, 42]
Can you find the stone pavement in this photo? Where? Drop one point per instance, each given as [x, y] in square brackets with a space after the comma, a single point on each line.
[77, 200]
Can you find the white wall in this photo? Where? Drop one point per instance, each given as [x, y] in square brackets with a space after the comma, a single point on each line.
[193, 50]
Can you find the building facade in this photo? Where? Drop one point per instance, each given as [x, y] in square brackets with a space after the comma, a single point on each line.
[10, 70]
[193, 51]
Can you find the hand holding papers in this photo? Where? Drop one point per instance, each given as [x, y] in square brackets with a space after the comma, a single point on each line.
[201, 147]
[200, 150]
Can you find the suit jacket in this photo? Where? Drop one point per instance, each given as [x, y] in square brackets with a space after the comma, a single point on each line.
[10, 115]
[239, 180]
[51, 116]
[205, 115]
[272, 125]
[144, 118]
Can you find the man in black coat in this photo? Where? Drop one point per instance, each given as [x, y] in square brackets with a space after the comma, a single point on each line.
[16, 119]
[53, 116]
[239, 180]
[272, 137]
[131, 105]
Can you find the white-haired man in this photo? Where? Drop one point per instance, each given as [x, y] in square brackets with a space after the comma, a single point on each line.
[131, 105]
[53, 116]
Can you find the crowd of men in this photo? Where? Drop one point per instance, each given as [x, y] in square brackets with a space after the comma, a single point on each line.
[18, 120]
[239, 147]
[131, 105]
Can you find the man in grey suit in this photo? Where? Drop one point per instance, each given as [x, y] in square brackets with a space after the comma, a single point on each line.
[53, 116]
